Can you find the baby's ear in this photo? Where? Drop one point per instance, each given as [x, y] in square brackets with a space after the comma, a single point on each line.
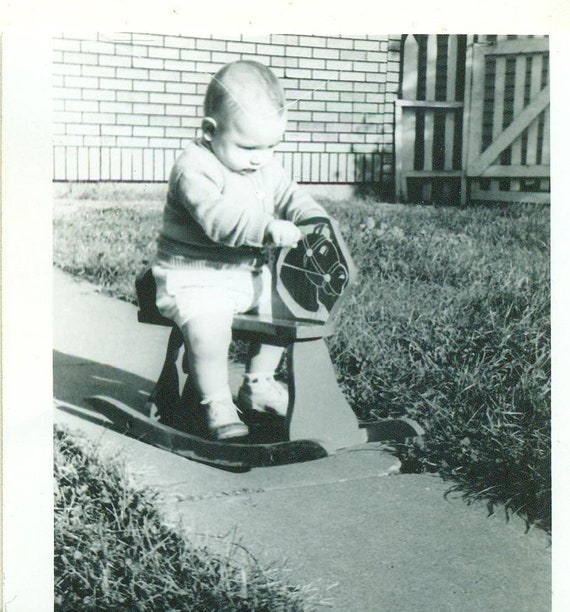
[209, 126]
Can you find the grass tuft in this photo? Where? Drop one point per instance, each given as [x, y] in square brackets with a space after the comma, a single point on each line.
[114, 551]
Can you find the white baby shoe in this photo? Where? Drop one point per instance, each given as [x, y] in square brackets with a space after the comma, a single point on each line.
[260, 392]
[222, 418]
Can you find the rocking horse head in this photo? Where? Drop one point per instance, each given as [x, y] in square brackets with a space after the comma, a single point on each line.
[312, 278]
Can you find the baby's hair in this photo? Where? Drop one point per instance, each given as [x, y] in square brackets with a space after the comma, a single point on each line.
[226, 89]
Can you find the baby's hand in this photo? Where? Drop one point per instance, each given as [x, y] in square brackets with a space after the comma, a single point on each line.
[284, 233]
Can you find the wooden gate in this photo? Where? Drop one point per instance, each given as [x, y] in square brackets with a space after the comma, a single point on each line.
[507, 120]
[472, 122]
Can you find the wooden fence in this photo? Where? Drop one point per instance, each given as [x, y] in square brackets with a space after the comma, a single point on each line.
[472, 120]
[428, 118]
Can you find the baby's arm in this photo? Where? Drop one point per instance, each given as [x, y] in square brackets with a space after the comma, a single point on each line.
[229, 220]
[291, 201]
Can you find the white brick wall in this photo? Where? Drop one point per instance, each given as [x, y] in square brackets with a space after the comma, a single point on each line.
[126, 104]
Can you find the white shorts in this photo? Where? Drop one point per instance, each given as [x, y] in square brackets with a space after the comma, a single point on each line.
[183, 294]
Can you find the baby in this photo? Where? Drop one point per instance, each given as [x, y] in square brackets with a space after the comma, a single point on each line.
[227, 199]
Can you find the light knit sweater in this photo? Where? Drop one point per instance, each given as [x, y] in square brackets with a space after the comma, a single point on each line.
[213, 214]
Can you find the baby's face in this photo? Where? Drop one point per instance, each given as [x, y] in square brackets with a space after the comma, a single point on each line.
[246, 142]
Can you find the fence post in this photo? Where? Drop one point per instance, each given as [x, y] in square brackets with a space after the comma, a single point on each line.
[406, 121]
[473, 113]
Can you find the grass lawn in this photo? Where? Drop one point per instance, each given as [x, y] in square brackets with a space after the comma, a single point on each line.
[449, 324]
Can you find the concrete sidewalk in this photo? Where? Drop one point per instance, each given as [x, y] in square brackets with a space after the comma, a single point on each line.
[388, 542]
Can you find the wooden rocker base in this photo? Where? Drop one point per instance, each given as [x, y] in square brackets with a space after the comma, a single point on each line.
[251, 452]
[318, 410]
[242, 455]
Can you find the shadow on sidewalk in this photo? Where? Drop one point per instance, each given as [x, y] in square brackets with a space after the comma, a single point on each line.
[75, 379]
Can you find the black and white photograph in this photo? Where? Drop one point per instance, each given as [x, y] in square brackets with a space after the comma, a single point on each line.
[364, 421]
